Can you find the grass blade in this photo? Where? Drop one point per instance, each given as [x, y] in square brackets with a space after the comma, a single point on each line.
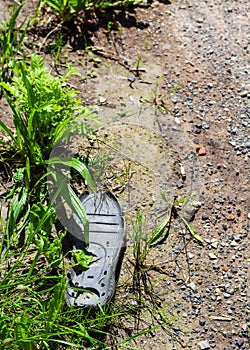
[75, 204]
[16, 209]
[55, 304]
[75, 164]
[159, 231]
[192, 231]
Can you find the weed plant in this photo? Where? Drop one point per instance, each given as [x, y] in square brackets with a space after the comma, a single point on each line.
[11, 41]
[43, 108]
[68, 9]
[32, 306]
[143, 242]
[32, 286]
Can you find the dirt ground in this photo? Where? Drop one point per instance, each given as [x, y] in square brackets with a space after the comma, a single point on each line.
[171, 85]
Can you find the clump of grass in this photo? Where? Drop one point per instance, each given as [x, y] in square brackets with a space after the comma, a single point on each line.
[144, 242]
[11, 41]
[32, 287]
[32, 305]
[68, 9]
[43, 108]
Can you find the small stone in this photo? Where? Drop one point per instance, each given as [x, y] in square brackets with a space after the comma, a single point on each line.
[102, 99]
[244, 93]
[202, 322]
[212, 256]
[197, 147]
[211, 103]
[199, 20]
[217, 290]
[198, 126]
[131, 79]
[179, 184]
[192, 286]
[234, 244]
[232, 143]
[214, 245]
[190, 255]
[225, 268]
[230, 217]
[184, 345]
[245, 327]
[204, 345]
[204, 217]
[202, 151]
[197, 131]
[239, 342]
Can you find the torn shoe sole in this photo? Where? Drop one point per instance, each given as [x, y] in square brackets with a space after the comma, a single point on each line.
[107, 243]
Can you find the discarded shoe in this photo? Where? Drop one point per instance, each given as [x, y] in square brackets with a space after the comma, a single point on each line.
[107, 243]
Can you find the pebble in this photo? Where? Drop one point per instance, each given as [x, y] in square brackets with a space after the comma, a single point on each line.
[230, 217]
[204, 345]
[244, 327]
[214, 245]
[192, 285]
[202, 322]
[202, 151]
[102, 99]
[212, 256]
[244, 93]
[239, 342]
[206, 217]
[199, 20]
[233, 270]
[179, 184]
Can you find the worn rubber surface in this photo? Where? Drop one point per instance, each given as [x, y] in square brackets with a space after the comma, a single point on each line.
[107, 241]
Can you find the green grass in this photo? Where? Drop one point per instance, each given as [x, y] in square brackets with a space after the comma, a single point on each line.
[33, 311]
[11, 41]
[143, 242]
[68, 9]
[45, 113]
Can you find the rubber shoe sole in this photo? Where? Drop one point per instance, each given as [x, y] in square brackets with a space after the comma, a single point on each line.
[107, 243]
